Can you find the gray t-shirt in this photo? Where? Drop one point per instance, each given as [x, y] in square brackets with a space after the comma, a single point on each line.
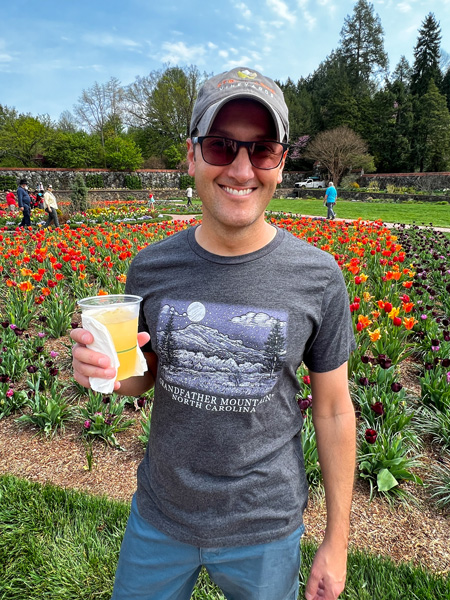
[224, 464]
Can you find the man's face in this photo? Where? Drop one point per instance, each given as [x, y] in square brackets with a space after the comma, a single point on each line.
[236, 195]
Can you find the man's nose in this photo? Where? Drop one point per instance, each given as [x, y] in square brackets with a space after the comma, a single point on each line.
[241, 168]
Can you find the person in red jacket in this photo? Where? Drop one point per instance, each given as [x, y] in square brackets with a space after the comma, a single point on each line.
[11, 200]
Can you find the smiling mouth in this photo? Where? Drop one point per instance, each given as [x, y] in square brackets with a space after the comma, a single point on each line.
[236, 192]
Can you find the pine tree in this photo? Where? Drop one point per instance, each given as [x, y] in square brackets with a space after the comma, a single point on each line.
[168, 345]
[432, 131]
[274, 348]
[362, 43]
[78, 195]
[426, 57]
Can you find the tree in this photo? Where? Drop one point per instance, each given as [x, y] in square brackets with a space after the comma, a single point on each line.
[99, 106]
[274, 348]
[75, 150]
[402, 72]
[337, 150]
[426, 57]
[362, 43]
[78, 195]
[67, 122]
[432, 131]
[122, 154]
[163, 102]
[22, 137]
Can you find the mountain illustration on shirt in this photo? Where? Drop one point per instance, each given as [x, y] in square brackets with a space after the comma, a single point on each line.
[221, 349]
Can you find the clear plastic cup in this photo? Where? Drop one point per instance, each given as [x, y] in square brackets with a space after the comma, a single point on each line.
[119, 314]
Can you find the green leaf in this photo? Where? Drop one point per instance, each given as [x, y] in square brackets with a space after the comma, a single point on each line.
[385, 480]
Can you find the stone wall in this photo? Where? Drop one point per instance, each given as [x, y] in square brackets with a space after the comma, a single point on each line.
[61, 179]
[420, 181]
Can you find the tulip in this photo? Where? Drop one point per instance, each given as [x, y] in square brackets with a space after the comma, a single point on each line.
[371, 436]
[87, 424]
[396, 387]
[378, 408]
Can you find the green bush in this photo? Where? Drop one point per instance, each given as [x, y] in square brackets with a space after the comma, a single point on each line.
[7, 182]
[186, 181]
[132, 182]
[79, 194]
[94, 181]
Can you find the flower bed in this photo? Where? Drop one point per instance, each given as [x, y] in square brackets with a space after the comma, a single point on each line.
[398, 283]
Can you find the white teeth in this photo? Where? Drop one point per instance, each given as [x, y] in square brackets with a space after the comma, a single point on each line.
[237, 192]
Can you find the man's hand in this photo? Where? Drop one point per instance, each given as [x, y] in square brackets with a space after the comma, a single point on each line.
[87, 363]
[328, 572]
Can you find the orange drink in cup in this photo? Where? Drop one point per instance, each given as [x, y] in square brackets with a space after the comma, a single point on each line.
[119, 314]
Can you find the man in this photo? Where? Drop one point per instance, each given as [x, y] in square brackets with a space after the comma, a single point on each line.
[24, 201]
[51, 207]
[232, 307]
[329, 200]
[189, 196]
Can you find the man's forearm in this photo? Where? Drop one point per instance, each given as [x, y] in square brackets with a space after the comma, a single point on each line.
[336, 443]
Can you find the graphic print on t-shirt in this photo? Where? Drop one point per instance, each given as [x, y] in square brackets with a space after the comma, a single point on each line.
[220, 349]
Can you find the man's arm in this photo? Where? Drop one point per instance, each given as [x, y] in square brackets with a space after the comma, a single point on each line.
[334, 423]
[87, 363]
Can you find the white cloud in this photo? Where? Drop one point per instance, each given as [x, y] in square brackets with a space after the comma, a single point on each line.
[404, 7]
[243, 8]
[282, 10]
[179, 52]
[252, 319]
[233, 51]
[212, 46]
[223, 53]
[243, 27]
[5, 58]
[107, 40]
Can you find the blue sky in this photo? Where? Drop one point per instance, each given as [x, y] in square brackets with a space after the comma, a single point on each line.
[51, 50]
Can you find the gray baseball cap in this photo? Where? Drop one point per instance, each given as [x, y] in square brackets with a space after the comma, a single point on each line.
[240, 82]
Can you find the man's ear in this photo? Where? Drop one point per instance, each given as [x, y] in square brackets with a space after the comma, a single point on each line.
[191, 157]
[281, 167]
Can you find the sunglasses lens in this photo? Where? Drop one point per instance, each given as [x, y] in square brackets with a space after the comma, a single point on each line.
[266, 155]
[219, 151]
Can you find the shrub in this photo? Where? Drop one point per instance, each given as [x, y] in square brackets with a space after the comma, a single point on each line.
[186, 181]
[79, 195]
[94, 181]
[132, 182]
[7, 182]
[374, 186]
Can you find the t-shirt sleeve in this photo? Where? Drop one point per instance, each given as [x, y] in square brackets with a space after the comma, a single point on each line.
[333, 340]
[131, 288]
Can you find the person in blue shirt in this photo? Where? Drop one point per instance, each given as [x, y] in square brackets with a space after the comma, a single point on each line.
[330, 200]
[24, 200]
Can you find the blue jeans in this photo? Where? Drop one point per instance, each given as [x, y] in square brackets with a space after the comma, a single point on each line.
[153, 566]
[330, 212]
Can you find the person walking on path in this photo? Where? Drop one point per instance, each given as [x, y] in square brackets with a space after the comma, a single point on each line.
[24, 201]
[11, 201]
[224, 327]
[330, 200]
[51, 207]
[189, 196]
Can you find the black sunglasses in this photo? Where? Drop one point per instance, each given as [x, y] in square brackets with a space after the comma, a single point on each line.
[221, 151]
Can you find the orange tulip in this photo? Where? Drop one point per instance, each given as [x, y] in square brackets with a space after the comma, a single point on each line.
[374, 335]
[409, 322]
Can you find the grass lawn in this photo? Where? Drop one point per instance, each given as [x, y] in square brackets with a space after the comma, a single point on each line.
[63, 545]
[428, 213]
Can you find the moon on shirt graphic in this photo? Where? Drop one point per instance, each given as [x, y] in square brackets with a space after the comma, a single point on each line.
[196, 312]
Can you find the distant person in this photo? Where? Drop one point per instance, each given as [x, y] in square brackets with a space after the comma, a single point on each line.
[330, 200]
[51, 207]
[11, 200]
[151, 201]
[24, 200]
[189, 196]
